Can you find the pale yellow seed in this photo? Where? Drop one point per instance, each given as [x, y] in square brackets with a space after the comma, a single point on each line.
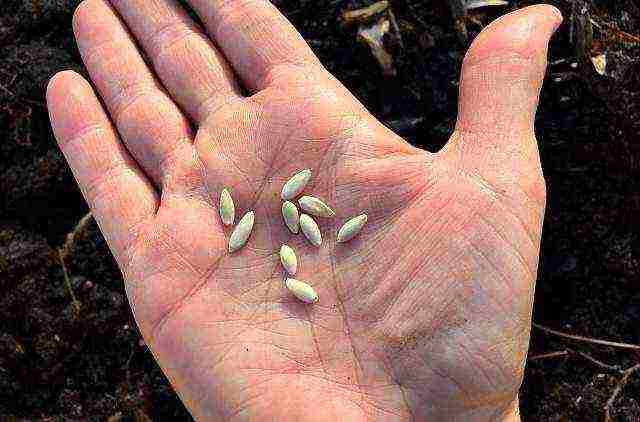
[289, 259]
[310, 229]
[291, 216]
[301, 290]
[315, 206]
[227, 209]
[351, 228]
[242, 232]
[295, 184]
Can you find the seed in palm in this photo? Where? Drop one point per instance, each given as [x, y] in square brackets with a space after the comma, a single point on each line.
[291, 216]
[351, 228]
[295, 185]
[227, 209]
[301, 290]
[288, 259]
[241, 233]
[310, 230]
[315, 206]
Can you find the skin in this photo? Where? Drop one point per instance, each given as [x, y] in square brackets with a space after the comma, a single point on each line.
[424, 316]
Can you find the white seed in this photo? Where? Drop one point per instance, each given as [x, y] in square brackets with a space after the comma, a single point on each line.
[242, 232]
[227, 209]
[301, 290]
[289, 259]
[296, 184]
[291, 216]
[351, 228]
[315, 206]
[310, 229]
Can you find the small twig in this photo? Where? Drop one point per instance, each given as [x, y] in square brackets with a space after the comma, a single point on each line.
[65, 251]
[633, 39]
[614, 368]
[549, 355]
[626, 374]
[396, 28]
[569, 352]
[587, 339]
[11, 82]
[67, 282]
[128, 364]
[82, 225]
[5, 89]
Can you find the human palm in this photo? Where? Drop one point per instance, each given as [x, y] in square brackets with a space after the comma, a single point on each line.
[425, 315]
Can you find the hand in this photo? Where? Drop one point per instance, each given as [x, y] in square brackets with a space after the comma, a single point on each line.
[424, 316]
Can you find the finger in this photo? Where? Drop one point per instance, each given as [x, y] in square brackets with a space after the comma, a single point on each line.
[121, 197]
[501, 79]
[150, 123]
[258, 41]
[190, 67]
[503, 70]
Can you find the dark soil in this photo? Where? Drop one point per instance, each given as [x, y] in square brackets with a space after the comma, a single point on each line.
[58, 364]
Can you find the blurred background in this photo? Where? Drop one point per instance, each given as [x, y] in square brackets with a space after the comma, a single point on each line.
[69, 347]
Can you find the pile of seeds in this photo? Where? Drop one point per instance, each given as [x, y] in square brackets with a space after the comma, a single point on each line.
[311, 207]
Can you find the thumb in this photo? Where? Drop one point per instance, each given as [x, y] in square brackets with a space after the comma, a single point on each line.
[501, 79]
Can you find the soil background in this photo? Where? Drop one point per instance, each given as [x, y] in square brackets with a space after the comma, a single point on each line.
[58, 363]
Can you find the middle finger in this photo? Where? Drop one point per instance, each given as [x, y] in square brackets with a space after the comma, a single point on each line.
[193, 71]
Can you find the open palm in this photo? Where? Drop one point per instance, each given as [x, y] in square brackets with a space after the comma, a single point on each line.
[424, 316]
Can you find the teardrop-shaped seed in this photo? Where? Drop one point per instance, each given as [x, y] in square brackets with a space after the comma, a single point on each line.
[227, 209]
[289, 259]
[242, 232]
[310, 229]
[315, 206]
[291, 216]
[296, 184]
[301, 290]
[351, 228]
